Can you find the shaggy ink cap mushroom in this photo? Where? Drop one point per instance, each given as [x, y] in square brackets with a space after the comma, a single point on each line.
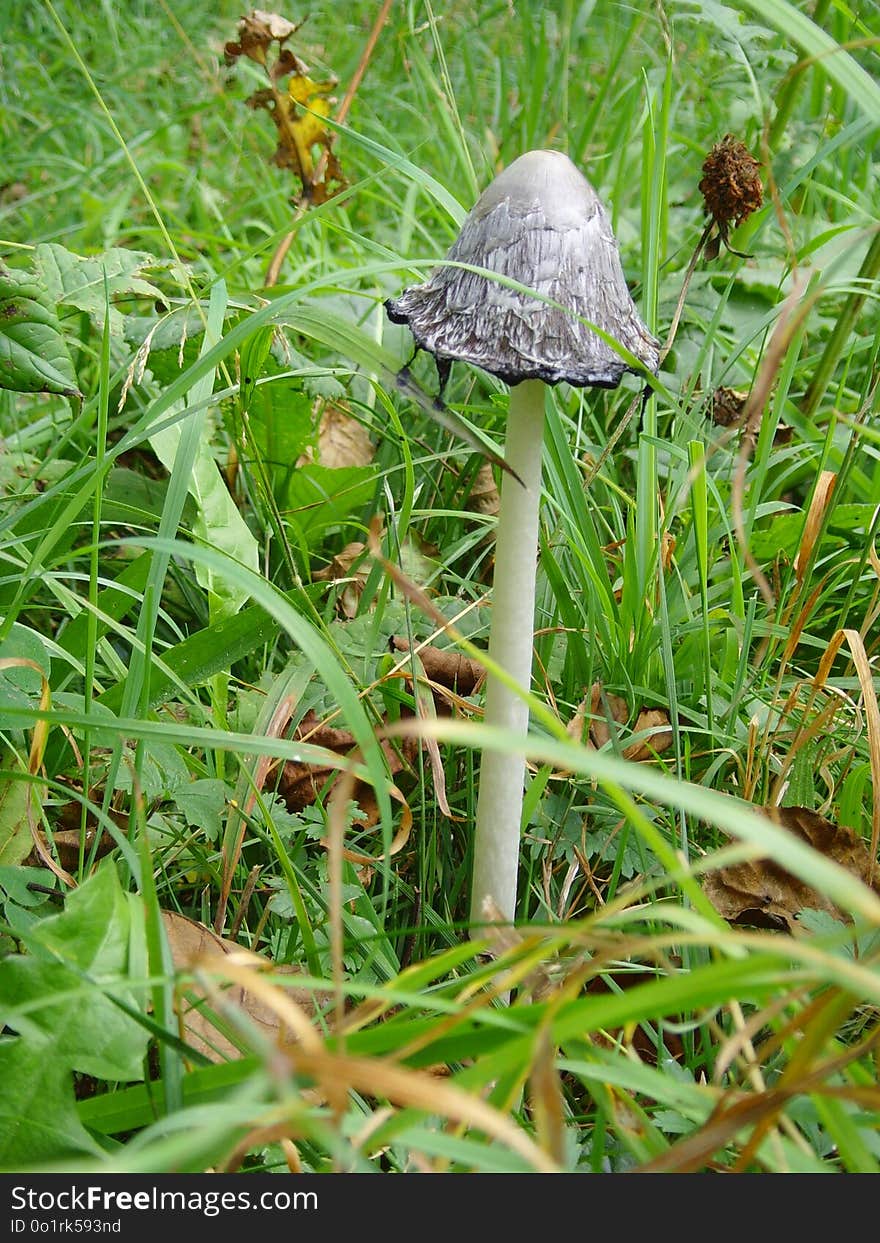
[540, 223]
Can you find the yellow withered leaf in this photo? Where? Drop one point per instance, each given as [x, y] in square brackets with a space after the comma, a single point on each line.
[298, 111]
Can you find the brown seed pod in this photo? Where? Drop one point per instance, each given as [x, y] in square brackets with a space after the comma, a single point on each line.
[731, 184]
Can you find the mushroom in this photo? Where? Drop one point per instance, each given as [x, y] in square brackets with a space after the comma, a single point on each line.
[541, 225]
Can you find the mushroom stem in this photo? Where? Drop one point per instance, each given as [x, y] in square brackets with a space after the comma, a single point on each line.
[500, 800]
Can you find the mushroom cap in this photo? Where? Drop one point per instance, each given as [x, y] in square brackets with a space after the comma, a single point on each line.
[539, 223]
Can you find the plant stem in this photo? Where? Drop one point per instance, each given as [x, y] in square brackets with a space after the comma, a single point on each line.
[499, 805]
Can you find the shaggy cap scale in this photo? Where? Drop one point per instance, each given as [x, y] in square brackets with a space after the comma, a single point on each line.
[541, 224]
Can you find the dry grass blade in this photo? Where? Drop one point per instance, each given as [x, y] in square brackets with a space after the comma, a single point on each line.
[547, 1101]
[872, 713]
[414, 1089]
[793, 311]
[822, 494]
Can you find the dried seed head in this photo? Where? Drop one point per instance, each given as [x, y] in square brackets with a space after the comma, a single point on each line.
[540, 223]
[731, 183]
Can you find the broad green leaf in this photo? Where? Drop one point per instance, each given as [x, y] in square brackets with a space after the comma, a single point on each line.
[91, 933]
[20, 685]
[163, 772]
[196, 659]
[280, 422]
[16, 841]
[252, 360]
[218, 522]
[319, 497]
[59, 990]
[87, 283]
[33, 353]
[135, 1107]
[87, 1031]
[15, 885]
[38, 1118]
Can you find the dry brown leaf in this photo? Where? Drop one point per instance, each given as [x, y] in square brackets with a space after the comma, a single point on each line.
[727, 406]
[300, 784]
[401, 837]
[483, 497]
[257, 33]
[607, 710]
[193, 945]
[604, 710]
[66, 836]
[658, 740]
[342, 441]
[761, 894]
[575, 727]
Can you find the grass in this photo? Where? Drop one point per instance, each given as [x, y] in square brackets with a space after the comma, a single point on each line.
[175, 602]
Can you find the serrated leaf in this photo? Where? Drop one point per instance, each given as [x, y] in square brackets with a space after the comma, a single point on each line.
[33, 353]
[203, 803]
[87, 283]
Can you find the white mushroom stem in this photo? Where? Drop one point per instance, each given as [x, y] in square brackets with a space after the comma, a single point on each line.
[500, 800]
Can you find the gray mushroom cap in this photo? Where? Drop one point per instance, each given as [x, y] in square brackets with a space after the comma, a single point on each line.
[540, 223]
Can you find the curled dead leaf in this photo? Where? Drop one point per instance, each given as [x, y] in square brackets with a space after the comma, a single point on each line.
[659, 739]
[445, 667]
[401, 837]
[761, 894]
[257, 33]
[607, 711]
